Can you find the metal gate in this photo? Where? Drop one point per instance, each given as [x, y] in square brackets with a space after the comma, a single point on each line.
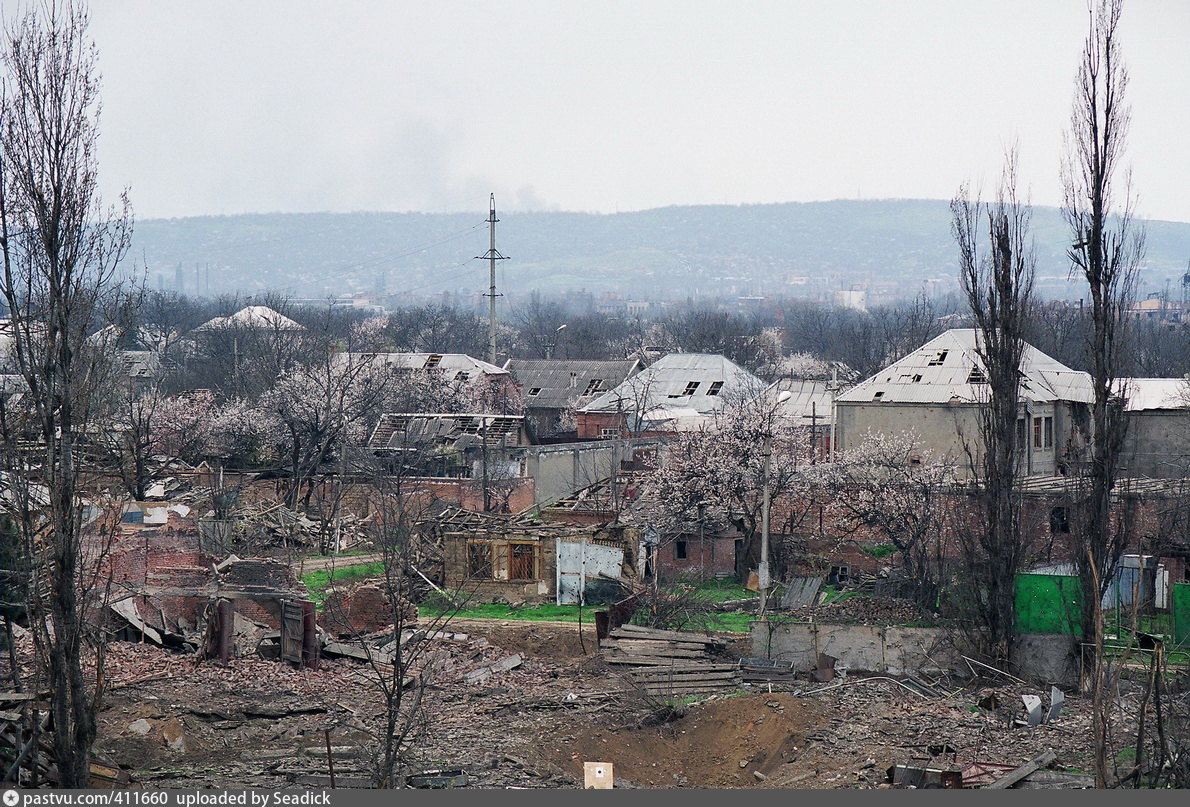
[580, 565]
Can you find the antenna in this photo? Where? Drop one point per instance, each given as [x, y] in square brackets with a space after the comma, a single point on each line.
[492, 256]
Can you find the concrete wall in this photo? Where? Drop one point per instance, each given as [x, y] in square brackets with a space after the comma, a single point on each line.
[943, 430]
[562, 469]
[899, 650]
[938, 427]
[894, 650]
[1158, 444]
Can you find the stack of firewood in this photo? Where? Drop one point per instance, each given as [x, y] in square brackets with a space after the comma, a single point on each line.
[670, 663]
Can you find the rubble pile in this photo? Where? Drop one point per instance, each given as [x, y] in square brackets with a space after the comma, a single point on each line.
[864, 610]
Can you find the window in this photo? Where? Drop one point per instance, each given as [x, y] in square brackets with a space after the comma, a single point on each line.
[609, 434]
[937, 360]
[522, 561]
[1020, 433]
[680, 550]
[1043, 432]
[534, 391]
[691, 388]
[595, 385]
[716, 387]
[479, 561]
[1059, 520]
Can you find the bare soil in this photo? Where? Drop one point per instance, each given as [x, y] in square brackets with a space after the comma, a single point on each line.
[258, 723]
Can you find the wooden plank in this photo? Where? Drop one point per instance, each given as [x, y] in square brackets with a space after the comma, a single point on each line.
[693, 675]
[674, 635]
[687, 667]
[1017, 774]
[655, 649]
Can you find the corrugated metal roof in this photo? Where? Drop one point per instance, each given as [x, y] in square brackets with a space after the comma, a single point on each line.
[447, 363]
[564, 383]
[947, 370]
[695, 381]
[1157, 393]
[809, 403]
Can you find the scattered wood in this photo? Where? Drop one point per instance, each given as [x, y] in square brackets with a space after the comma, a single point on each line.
[1017, 774]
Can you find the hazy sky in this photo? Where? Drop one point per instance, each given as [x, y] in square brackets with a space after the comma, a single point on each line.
[216, 107]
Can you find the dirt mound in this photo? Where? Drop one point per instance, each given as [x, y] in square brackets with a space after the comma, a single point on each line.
[719, 743]
[557, 641]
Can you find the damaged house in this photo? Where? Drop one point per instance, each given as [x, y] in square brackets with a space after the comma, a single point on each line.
[555, 388]
[938, 390]
[468, 459]
[511, 559]
[679, 392]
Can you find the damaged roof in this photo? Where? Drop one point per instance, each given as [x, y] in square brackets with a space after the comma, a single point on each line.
[686, 384]
[1157, 393]
[809, 402]
[396, 431]
[252, 316]
[565, 383]
[947, 369]
[447, 363]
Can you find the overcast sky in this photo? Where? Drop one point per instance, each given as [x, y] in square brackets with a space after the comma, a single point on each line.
[226, 106]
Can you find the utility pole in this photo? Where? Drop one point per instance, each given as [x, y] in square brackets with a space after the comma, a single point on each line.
[491, 256]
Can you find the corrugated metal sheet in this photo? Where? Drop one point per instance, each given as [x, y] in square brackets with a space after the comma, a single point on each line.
[447, 363]
[947, 370]
[694, 381]
[563, 383]
[1157, 393]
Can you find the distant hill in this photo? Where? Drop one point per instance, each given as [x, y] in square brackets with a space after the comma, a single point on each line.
[890, 247]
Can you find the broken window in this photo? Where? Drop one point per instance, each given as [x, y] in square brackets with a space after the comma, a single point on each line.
[479, 561]
[680, 550]
[716, 387]
[1059, 520]
[609, 434]
[595, 385]
[522, 562]
[937, 360]
[1043, 432]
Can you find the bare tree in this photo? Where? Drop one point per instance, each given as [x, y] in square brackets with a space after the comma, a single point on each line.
[1107, 249]
[60, 252]
[997, 279]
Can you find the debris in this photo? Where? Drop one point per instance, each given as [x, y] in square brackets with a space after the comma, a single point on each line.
[437, 780]
[1017, 774]
[1032, 709]
[923, 777]
[826, 668]
[971, 661]
[1057, 698]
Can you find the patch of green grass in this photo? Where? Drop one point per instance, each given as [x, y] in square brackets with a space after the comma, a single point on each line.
[880, 551]
[722, 590]
[498, 610]
[734, 622]
[317, 582]
[1126, 756]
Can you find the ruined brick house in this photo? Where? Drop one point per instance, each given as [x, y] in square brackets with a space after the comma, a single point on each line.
[492, 558]
[555, 388]
[163, 583]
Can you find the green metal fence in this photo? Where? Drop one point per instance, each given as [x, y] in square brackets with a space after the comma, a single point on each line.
[1179, 606]
[1049, 603]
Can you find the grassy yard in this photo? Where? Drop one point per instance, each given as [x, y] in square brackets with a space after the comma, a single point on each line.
[319, 581]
